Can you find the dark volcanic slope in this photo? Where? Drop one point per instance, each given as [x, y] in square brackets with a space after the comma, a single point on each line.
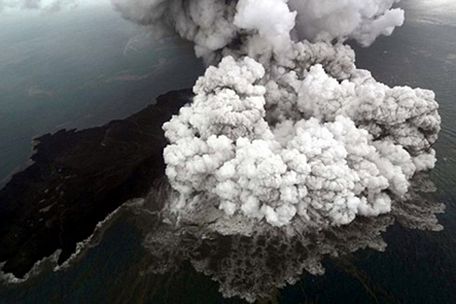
[78, 178]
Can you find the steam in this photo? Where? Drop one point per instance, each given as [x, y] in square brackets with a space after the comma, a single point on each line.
[329, 152]
[363, 20]
[284, 130]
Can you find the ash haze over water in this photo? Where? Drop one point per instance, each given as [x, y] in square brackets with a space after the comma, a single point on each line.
[416, 267]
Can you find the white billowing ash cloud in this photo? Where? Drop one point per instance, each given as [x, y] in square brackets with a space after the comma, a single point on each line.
[363, 20]
[338, 149]
[285, 130]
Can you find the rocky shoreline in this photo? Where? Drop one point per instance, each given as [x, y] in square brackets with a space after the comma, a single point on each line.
[77, 179]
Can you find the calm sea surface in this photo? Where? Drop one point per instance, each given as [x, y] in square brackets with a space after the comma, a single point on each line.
[46, 89]
[79, 68]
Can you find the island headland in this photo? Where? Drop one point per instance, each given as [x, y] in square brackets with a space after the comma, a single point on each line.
[77, 179]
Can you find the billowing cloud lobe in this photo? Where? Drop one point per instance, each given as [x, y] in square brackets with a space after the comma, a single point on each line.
[283, 127]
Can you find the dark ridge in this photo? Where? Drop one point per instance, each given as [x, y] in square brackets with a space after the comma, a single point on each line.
[77, 179]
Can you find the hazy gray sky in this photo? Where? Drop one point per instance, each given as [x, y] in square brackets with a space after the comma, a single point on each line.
[12, 6]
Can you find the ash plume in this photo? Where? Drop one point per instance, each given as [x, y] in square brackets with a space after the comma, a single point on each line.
[283, 127]
[215, 24]
[363, 20]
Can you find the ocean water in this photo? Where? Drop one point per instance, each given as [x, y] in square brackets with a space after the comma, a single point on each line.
[79, 68]
[416, 267]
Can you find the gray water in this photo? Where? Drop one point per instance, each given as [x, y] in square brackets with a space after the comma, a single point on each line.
[417, 266]
[79, 68]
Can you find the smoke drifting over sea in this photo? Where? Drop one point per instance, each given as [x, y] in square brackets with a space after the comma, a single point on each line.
[253, 267]
[284, 129]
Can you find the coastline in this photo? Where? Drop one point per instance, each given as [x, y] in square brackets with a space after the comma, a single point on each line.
[76, 180]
